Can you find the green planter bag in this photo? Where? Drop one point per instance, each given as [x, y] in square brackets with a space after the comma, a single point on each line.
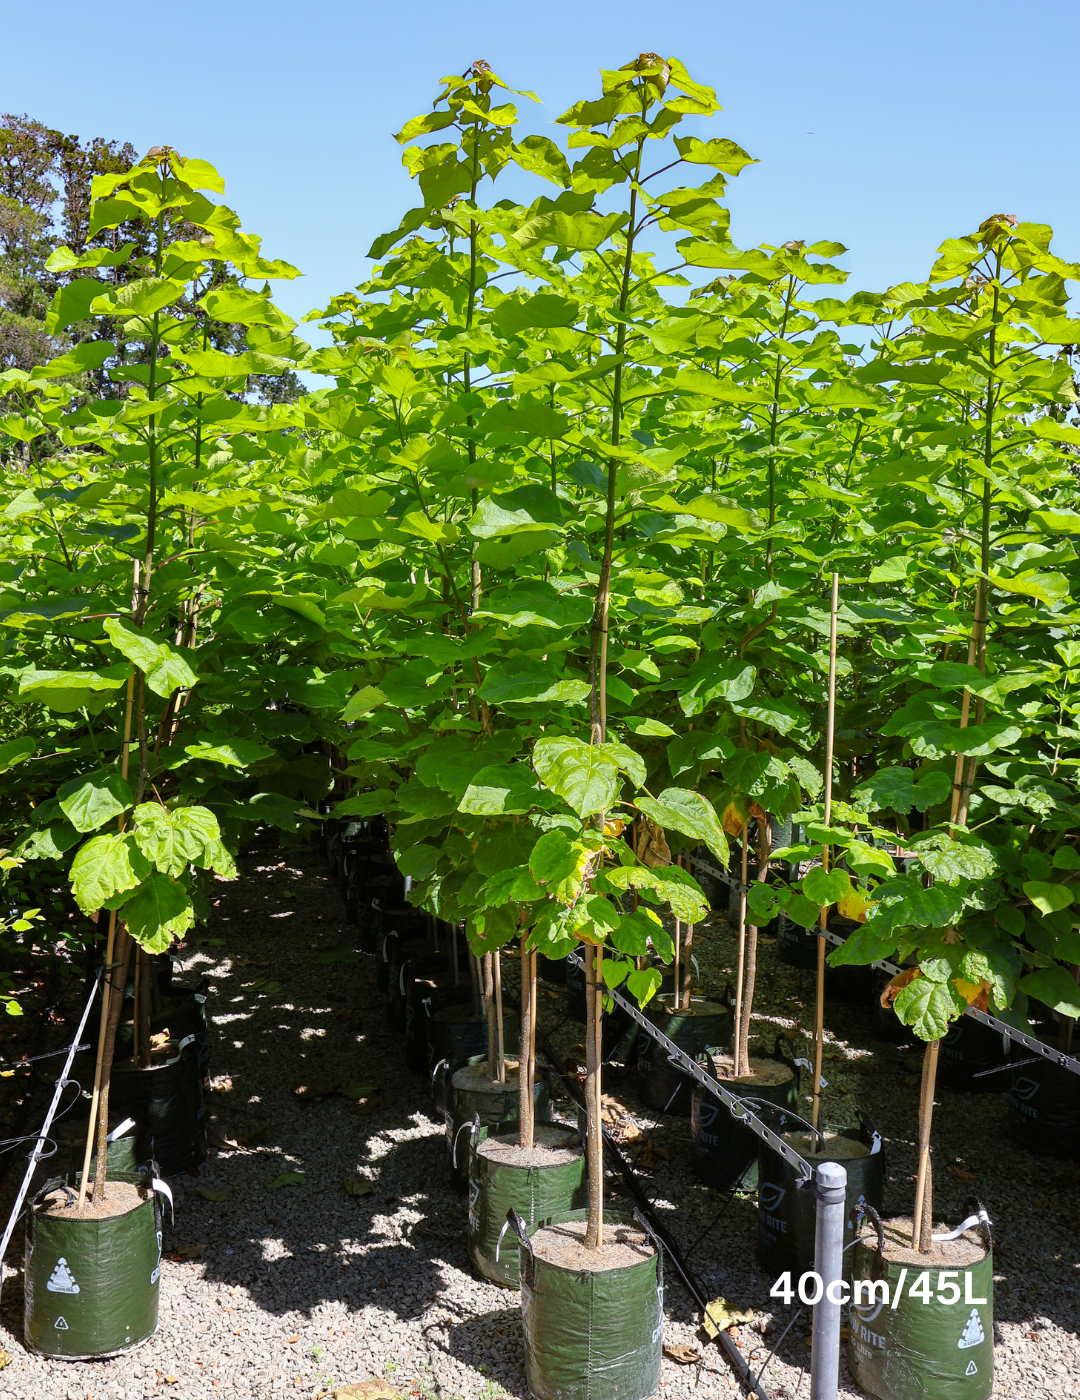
[168, 1096]
[471, 1095]
[724, 1152]
[91, 1286]
[129, 1150]
[936, 1342]
[787, 1212]
[539, 1190]
[592, 1336]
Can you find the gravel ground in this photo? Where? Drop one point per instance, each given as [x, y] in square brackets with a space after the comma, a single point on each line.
[296, 1290]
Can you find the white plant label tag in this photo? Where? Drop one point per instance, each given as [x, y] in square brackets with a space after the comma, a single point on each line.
[61, 1279]
[973, 1332]
[972, 1369]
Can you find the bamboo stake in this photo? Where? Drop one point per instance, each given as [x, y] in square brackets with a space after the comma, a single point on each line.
[532, 1030]
[125, 944]
[525, 1101]
[830, 743]
[598, 1054]
[736, 1052]
[593, 1132]
[921, 1219]
[488, 985]
[110, 948]
[496, 962]
[676, 998]
[688, 966]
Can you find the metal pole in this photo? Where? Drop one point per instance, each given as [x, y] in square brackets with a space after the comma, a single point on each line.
[830, 1182]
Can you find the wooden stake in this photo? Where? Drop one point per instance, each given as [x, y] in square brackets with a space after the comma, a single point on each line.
[124, 946]
[534, 1003]
[740, 970]
[496, 961]
[598, 1054]
[921, 1216]
[525, 1101]
[488, 984]
[830, 743]
[593, 1135]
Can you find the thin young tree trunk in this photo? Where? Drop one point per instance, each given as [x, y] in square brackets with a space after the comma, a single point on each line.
[533, 1001]
[477, 976]
[124, 946]
[922, 1215]
[683, 992]
[764, 840]
[525, 1064]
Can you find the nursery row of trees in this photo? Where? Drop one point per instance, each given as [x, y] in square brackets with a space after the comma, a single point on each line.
[551, 557]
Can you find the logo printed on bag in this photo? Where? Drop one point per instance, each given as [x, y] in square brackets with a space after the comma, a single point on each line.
[60, 1325]
[770, 1195]
[62, 1280]
[972, 1369]
[1025, 1088]
[973, 1332]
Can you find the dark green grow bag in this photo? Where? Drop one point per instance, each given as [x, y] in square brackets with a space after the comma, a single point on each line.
[497, 1104]
[592, 1336]
[183, 1015]
[424, 995]
[724, 1152]
[456, 1034]
[535, 1192]
[91, 1286]
[168, 1097]
[662, 1085]
[923, 1351]
[1044, 1108]
[969, 1049]
[787, 1212]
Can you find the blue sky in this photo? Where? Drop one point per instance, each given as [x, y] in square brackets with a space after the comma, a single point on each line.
[888, 127]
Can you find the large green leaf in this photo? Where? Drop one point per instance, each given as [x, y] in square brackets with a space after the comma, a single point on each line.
[173, 840]
[159, 911]
[558, 862]
[1055, 987]
[1048, 898]
[500, 791]
[524, 681]
[928, 1007]
[680, 809]
[163, 666]
[88, 803]
[585, 776]
[106, 866]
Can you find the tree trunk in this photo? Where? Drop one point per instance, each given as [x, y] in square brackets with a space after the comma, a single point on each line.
[594, 1145]
[764, 844]
[500, 1054]
[525, 1063]
[923, 1214]
[124, 947]
[737, 1065]
[143, 975]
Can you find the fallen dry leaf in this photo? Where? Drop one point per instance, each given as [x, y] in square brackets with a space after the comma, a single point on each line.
[357, 1089]
[217, 1137]
[358, 1185]
[719, 1316]
[961, 1174]
[367, 1390]
[187, 1251]
[209, 1194]
[683, 1353]
[317, 1089]
[5, 1359]
[290, 1340]
[382, 1099]
[287, 1179]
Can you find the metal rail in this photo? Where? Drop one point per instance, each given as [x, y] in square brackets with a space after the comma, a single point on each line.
[1039, 1047]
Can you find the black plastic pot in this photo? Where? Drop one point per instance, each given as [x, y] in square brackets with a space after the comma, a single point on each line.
[968, 1049]
[91, 1286]
[457, 1035]
[1044, 1107]
[168, 1097]
[884, 1022]
[920, 1345]
[592, 1336]
[795, 945]
[537, 1193]
[427, 966]
[661, 1084]
[399, 929]
[787, 1212]
[723, 1151]
[552, 969]
[369, 922]
[425, 996]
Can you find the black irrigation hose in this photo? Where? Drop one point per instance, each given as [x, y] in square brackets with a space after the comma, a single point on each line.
[734, 1356]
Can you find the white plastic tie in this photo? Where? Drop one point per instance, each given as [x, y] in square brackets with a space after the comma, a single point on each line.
[121, 1130]
[969, 1224]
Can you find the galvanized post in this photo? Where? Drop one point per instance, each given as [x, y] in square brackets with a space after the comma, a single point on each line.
[830, 1182]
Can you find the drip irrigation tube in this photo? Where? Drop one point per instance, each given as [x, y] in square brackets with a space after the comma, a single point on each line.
[36, 1154]
[1048, 1052]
